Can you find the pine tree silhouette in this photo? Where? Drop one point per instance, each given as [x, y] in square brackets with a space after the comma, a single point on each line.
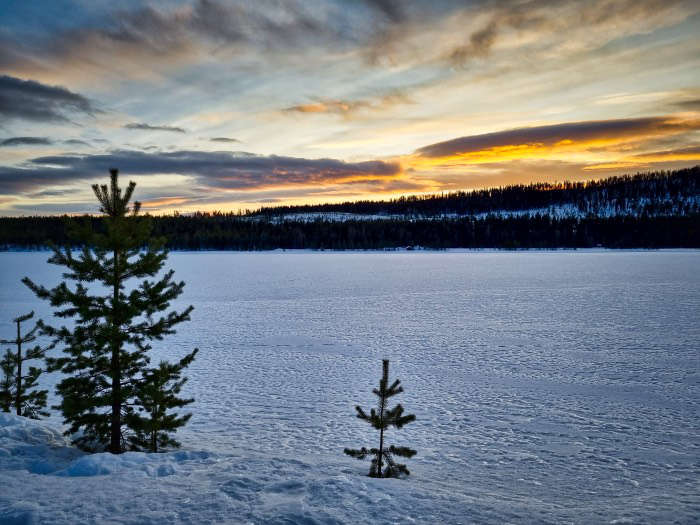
[16, 388]
[382, 420]
[106, 350]
[156, 395]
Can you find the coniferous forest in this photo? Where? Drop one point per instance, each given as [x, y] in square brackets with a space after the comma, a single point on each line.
[652, 210]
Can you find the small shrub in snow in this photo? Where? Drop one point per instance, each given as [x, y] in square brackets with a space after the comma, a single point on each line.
[383, 463]
[16, 387]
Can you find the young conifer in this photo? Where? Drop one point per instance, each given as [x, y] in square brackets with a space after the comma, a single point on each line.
[106, 349]
[156, 397]
[17, 388]
[382, 419]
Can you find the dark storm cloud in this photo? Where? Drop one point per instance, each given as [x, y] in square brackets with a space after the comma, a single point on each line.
[30, 100]
[149, 127]
[237, 171]
[25, 141]
[554, 134]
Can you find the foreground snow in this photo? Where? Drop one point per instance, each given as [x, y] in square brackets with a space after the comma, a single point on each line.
[45, 480]
[555, 387]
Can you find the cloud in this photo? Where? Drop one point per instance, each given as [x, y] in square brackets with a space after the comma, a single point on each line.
[522, 142]
[156, 36]
[26, 141]
[212, 170]
[76, 142]
[350, 107]
[544, 19]
[392, 9]
[30, 100]
[18, 180]
[479, 45]
[148, 127]
[650, 158]
[689, 105]
[223, 139]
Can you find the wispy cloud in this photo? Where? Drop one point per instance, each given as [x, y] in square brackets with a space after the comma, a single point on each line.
[76, 142]
[224, 139]
[349, 107]
[148, 127]
[689, 105]
[25, 141]
[218, 170]
[30, 100]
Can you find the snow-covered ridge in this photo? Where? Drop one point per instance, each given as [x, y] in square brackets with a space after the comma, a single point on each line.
[627, 208]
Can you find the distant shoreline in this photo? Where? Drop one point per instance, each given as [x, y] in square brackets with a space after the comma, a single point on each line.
[416, 250]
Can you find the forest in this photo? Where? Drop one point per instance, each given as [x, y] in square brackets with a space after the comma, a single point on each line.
[653, 193]
[652, 210]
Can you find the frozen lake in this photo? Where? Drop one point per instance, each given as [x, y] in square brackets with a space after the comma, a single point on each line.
[547, 386]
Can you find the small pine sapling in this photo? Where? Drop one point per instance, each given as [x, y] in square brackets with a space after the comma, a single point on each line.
[383, 457]
[156, 395]
[16, 389]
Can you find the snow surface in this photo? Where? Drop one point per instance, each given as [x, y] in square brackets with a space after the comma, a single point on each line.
[555, 387]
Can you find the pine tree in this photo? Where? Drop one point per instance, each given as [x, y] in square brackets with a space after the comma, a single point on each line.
[7, 366]
[16, 389]
[105, 352]
[382, 420]
[156, 395]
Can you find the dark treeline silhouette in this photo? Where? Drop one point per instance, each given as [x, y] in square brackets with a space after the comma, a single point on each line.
[231, 232]
[664, 192]
[655, 210]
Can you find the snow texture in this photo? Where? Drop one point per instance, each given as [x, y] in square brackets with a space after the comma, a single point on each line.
[549, 387]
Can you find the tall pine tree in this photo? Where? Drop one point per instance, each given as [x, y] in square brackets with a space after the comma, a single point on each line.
[156, 397]
[381, 419]
[17, 388]
[106, 349]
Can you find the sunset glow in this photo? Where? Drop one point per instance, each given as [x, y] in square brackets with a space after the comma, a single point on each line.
[213, 105]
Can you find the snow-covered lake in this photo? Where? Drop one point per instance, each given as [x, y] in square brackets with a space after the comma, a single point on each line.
[559, 387]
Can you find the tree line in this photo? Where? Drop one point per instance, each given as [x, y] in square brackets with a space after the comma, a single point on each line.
[654, 210]
[231, 232]
[654, 193]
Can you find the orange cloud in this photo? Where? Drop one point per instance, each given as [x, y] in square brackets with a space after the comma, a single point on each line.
[606, 142]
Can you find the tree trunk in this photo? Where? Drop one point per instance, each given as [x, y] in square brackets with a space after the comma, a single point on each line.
[115, 446]
[381, 449]
[18, 393]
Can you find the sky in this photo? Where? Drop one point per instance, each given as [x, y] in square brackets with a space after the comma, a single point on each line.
[232, 105]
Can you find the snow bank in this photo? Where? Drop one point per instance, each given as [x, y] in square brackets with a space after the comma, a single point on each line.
[26, 444]
[152, 465]
[44, 480]
[37, 447]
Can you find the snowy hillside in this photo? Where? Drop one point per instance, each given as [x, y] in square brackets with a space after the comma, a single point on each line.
[628, 208]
